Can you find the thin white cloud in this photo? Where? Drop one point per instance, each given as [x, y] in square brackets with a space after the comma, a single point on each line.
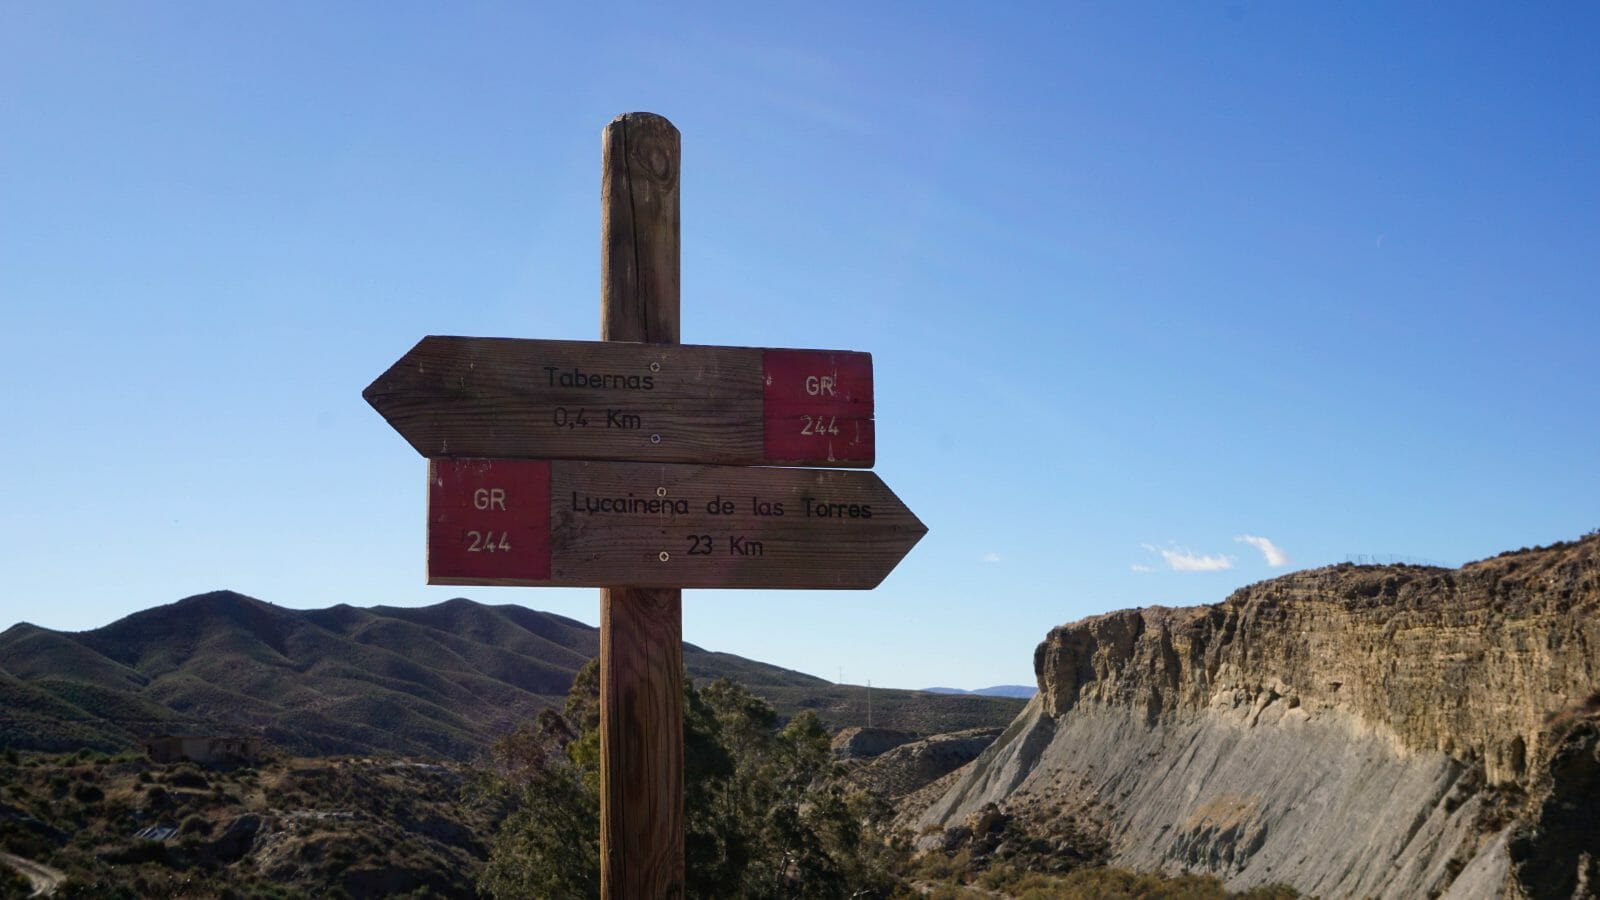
[1139, 568]
[1274, 554]
[991, 557]
[1186, 560]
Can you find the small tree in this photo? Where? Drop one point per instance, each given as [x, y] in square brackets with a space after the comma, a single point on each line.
[549, 844]
[765, 814]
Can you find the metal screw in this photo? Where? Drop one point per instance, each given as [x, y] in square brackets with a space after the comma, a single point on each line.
[655, 367]
[661, 492]
[665, 556]
[655, 438]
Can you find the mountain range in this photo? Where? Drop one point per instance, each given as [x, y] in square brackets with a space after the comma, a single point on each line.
[1020, 691]
[440, 681]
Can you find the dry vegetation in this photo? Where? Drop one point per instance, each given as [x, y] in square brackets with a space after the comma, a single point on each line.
[288, 828]
[365, 827]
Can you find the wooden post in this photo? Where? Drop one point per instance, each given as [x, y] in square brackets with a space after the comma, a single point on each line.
[641, 630]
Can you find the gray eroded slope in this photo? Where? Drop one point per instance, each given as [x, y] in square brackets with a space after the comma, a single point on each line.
[1352, 731]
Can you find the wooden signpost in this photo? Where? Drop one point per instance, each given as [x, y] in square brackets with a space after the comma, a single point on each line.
[638, 465]
[509, 398]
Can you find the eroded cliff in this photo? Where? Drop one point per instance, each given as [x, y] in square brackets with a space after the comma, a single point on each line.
[1393, 731]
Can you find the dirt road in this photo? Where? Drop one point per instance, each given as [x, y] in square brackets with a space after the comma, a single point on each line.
[45, 879]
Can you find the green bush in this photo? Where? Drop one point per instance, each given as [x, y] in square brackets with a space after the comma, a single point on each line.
[940, 867]
[765, 811]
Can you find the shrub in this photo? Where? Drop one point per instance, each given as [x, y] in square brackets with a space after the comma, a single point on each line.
[187, 776]
[763, 808]
[950, 892]
[13, 885]
[937, 866]
[1103, 883]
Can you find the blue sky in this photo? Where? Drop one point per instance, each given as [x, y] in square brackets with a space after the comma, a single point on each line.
[1139, 281]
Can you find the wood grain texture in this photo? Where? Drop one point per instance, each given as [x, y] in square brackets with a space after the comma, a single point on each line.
[641, 743]
[641, 631]
[538, 399]
[583, 524]
[639, 230]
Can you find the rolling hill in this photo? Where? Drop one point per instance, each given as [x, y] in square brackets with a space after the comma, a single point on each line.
[440, 681]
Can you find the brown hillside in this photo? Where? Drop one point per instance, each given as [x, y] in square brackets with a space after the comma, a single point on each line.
[433, 682]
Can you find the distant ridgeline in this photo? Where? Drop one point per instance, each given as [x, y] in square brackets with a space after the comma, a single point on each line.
[1022, 691]
[438, 682]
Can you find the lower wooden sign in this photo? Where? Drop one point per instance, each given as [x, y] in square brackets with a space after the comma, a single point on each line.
[616, 524]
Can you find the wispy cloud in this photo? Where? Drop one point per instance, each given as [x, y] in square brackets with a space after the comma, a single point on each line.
[1274, 554]
[1141, 568]
[991, 557]
[1186, 560]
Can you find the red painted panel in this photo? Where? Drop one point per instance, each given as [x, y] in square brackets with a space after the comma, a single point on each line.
[488, 518]
[817, 406]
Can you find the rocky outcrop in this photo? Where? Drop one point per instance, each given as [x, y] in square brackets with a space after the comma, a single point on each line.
[1388, 731]
[910, 766]
[864, 743]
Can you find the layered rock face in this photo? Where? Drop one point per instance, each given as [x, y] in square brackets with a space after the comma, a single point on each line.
[1391, 731]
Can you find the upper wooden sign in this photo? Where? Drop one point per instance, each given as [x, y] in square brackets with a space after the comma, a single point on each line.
[532, 399]
[588, 524]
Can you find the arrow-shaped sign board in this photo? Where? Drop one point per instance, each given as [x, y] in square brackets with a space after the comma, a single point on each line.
[588, 524]
[608, 400]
